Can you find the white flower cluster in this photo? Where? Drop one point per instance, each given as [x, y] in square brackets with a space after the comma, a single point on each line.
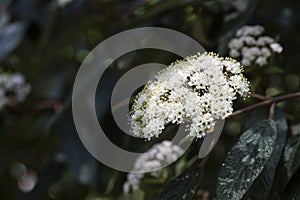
[155, 158]
[252, 47]
[198, 90]
[13, 89]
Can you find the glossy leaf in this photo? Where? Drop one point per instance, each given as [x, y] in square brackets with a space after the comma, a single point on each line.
[184, 186]
[292, 190]
[292, 155]
[246, 160]
[263, 184]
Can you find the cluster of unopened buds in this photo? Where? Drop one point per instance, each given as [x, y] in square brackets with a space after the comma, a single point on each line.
[250, 46]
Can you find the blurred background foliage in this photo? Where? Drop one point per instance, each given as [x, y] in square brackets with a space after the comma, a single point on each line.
[47, 40]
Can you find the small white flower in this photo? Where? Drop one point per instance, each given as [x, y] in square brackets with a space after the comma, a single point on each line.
[236, 43]
[234, 53]
[265, 52]
[261, 61]
[250, 30]
[249, 40]
[264, 40]
[246, 62]
[276, 47]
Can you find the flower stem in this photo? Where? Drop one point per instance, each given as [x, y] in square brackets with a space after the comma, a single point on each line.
[258, 96]
[264, 103]
[272, 110]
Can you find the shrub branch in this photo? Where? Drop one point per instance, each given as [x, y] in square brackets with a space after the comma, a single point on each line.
[265, 102]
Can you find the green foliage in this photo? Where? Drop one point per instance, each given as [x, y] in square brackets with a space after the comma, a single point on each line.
[272, 91]
[139, 194]
[246, 160]
[274, 70]
[182, 187]
[293, 188]
[292, 155]
[262, 185]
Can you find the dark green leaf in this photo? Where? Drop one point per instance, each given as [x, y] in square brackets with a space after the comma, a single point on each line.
[184, 186]
[274, 70]
[246, 160]
[278, 183]
[292, 190]
[138, 194]
[292, 155]
[273, 91]
[263, 183]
